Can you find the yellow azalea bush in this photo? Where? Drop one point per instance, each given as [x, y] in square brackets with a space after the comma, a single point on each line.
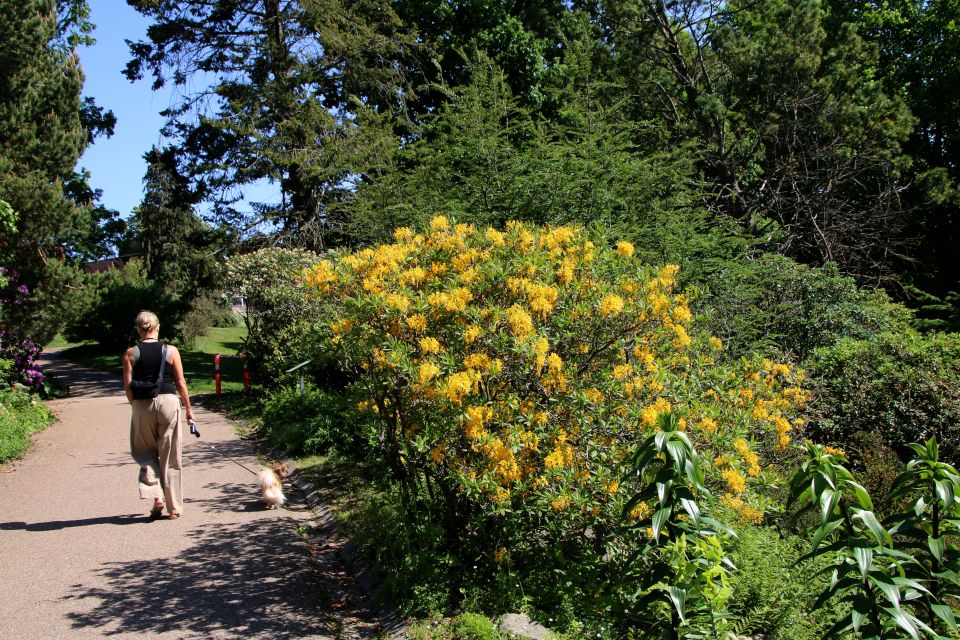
[516, 371]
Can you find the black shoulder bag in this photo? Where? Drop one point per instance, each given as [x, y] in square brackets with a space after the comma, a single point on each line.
[142, 390]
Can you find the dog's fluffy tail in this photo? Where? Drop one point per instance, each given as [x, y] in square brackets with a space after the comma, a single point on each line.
[271, 488]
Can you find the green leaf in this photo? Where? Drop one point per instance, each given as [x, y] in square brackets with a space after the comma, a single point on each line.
[907, 582]
[658, 519]
[692, 509]
[862, 495]
[829, 500]
[902, 479]
[936, 546]
[679, 598]
[905, 620]
[660, 439]
[945, 613]
[823, 531]
[945, 492]
[880, 534]
[888, 587]
[919, 449]
[718, 526]
[861, 609]
[864, 557]
[678, 453]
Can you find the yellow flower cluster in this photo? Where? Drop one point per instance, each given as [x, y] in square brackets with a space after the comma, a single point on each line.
[535, 360]
[746, 512]
[611, 304]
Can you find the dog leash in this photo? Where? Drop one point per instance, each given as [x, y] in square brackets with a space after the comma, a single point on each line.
[196, 432]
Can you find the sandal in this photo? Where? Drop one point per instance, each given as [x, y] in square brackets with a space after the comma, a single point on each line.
[173, 516]
[156, 512]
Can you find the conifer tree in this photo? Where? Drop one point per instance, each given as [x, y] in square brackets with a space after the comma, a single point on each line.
[284, 77]
[41, 138]
[798, 139]
[173, 239]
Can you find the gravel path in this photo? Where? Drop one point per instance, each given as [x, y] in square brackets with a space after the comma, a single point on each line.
[79, 558]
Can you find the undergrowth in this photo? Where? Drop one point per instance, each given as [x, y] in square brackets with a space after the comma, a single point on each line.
[21, 415]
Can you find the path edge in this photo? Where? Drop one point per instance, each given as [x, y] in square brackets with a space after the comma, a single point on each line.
[393, 627]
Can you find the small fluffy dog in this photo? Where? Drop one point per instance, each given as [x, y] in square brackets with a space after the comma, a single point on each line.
[271, 489]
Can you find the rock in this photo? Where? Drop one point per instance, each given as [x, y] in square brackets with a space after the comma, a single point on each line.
[523, 626]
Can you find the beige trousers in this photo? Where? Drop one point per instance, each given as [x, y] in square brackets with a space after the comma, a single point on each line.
[155, 442]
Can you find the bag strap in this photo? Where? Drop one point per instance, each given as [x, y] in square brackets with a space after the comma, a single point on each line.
[163, 361]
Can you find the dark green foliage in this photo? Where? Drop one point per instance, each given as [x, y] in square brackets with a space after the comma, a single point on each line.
[519, 36]
[20, 416]
[282, 318]
[484, 159]
[202, 312]
[916, 41]
[935, 314]
[120, 296]
[877, 466]
[171, 236]
[798, 149]
[774, 302]
[41, 138]
[901, 386]
[684, 565]
[314, 423]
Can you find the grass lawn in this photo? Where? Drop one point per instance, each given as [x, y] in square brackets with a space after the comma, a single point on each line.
[197, 363]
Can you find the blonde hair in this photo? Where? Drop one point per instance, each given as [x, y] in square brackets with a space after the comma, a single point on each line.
[146, 322]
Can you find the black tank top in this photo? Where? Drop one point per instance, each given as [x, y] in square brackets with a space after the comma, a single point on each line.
[148, 366]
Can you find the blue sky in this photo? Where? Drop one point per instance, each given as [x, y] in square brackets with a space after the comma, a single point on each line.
[116, 164]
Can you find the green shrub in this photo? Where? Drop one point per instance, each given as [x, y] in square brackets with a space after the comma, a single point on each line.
[892, 577]
[471, 626]
[203, 311]
[310, 424]
[466, 626]
[281, 317]
[904, 387]
[776, 303]
[20, 416]
[119, 297]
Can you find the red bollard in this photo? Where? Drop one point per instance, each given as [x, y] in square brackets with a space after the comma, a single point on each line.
[216, 368]
[246, 374]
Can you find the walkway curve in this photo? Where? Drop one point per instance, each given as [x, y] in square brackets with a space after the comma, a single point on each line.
[79, 558]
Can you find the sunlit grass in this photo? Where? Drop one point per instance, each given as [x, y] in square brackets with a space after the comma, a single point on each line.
[198, 365]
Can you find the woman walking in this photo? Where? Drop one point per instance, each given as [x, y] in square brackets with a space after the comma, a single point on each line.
[155, 434]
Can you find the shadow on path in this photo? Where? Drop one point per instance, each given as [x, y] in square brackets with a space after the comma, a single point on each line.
[200, 592]
[84, 382]
[56, 525]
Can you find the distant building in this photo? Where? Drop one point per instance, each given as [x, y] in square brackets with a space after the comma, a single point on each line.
[128, 250]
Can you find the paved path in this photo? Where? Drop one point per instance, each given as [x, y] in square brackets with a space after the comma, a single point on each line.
[80, 559]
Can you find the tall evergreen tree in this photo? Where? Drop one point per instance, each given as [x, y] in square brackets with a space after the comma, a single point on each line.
[284, 78]
[795, 134]
[918, 41]
[175, 242]
[41, 138]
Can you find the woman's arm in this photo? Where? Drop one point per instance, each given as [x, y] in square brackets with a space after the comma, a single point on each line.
[128, 363]
[178, 380]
